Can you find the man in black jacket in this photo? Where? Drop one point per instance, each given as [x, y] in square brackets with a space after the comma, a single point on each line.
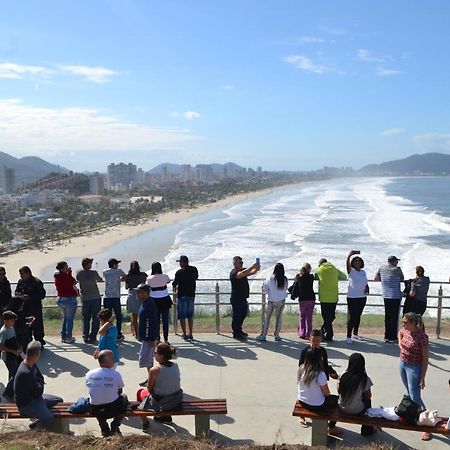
[32, 291]
[5, 290]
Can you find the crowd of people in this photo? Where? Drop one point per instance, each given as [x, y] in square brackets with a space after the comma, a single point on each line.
[149, 303]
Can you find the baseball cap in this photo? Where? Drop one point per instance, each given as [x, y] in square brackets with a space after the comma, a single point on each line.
[322, 260]
[393, 258]
[86, 261]
[142, 287]
[183, 258]
[113, 262]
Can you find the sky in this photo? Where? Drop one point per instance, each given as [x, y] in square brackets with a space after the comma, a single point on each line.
[282, 84]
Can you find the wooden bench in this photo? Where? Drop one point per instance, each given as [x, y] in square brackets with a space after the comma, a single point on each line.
[201, 409]
[320, 422]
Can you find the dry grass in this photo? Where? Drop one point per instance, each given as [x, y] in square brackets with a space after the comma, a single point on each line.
[52, 441]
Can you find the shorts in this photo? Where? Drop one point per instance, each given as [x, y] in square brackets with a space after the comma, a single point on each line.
[185, 308]
[146, 354]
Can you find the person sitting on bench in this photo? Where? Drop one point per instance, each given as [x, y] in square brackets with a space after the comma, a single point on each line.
[29, 390]
[105, 386]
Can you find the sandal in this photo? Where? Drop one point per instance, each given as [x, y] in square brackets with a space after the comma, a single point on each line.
[303, 423]
[426, 436]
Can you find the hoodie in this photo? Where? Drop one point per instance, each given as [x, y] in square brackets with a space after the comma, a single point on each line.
[328, 277]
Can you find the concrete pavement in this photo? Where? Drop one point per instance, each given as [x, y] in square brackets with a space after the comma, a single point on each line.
[259, 382]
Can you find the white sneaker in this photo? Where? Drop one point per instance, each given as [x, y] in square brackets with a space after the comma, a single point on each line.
[349, 341]
[261, 338]
[358, 337]
[277, 338]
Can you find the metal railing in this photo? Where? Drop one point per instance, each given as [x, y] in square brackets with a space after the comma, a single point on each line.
[219, 299]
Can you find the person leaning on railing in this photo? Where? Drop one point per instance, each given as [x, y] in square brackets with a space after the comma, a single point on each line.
[416, 291]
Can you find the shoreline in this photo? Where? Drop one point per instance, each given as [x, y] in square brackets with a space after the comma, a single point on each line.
[98, 241]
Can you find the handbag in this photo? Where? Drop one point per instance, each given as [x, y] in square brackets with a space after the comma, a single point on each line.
[429, 418]
[408, 410]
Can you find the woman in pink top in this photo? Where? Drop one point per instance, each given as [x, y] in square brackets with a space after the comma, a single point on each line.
[160, 295]
[413, 343]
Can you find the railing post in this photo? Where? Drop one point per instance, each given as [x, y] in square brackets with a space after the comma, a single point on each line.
[439, 313]
[174, 317]
[263, 306]
[217, 308]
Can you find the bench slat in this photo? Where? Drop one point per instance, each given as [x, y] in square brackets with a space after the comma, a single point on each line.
[335, 414]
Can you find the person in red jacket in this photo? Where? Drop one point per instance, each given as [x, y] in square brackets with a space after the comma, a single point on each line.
[67, 299]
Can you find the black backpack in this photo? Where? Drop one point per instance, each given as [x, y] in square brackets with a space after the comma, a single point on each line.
[408, 410]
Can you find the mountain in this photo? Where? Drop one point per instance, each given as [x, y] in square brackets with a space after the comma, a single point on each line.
[29, 168]
[176, 168]
[426, 164]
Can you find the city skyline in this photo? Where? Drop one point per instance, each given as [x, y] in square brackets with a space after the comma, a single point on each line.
[283, 85]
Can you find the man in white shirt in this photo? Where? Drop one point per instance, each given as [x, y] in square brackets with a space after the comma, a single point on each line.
[105, 386]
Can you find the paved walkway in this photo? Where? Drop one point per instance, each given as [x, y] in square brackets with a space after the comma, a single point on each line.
[259, 382]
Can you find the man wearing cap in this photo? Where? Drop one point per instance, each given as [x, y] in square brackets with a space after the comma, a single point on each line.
[185, 283]
[240, 291]
[148, 326]
[111, 299]
[328, 276]
[390, 276]
[91, 300]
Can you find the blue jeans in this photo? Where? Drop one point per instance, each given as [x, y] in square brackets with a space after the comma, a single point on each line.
[185, 308]
[239, 308]
[89, 310]
[40, 409]
[114, 304]
[410, 374]
[69, 308]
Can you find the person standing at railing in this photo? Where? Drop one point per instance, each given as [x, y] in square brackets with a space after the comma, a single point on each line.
[240, 291]
[416, 295]
[32, 291]
[133, 279]
[185, 283]
[356, 295]
[276, 289]
[390, 276]
[328, 277]
[91, 300]
[111, 299]
[67, 299]
[5, 291]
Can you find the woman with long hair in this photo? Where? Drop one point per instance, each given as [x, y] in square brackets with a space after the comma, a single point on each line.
[354, 389]
[356, 295]
[414, 352]
[303, 290]
[159, 293]
[133, 279]
[275, 287]
[416, 295]
[163, 392]
[313, 391]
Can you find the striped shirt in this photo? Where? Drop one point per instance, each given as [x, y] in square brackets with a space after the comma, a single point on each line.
[391, 276]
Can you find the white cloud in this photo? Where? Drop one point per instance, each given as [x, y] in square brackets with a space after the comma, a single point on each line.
[433, 141]
[189, 115]
[94, 74]
[392, 132]
[305, 63]
[19, 71]
[383, 72]
[26, 129]
[368, 56]
[227, 87]
[311, 40]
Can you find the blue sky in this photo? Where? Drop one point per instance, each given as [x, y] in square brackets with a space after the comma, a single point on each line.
[282, 84]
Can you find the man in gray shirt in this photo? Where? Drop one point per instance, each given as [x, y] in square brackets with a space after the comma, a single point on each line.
[91, 300]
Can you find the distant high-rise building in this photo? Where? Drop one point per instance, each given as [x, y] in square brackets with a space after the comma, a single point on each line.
[164, 174]
[204, 172]
[121, 176]
[97, 184]
[8, 180]
[186, 172]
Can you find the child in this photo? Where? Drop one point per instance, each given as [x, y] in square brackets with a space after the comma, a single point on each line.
[354, 389]
[108, 335]
[11, 350]
[314, 342]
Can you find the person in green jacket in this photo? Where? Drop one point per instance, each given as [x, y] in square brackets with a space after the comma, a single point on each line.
[328, 277]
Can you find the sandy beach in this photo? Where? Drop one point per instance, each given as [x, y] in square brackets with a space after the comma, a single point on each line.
[99, 241]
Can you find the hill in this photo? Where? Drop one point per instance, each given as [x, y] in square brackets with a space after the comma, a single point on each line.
[29, 168]
[426, 164]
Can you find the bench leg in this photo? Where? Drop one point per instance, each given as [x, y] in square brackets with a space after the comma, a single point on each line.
[201, 426]
[60, 426]
[319, 432]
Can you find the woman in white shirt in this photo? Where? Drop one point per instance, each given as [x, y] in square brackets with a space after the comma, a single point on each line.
[357, 294]
[159, 293]
[276, 289]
